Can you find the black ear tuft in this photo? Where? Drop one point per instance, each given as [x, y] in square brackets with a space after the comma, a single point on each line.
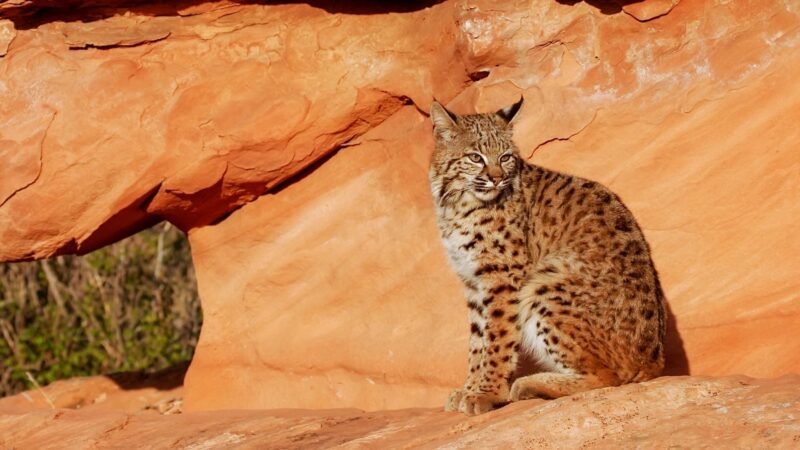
[509, 113]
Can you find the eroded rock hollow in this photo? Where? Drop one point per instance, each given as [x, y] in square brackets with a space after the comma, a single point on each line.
[290, 141]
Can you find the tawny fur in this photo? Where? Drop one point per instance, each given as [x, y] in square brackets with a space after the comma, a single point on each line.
[552, 264]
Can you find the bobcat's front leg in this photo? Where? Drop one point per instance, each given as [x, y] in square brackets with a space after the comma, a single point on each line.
[500, 336]
[476, 350]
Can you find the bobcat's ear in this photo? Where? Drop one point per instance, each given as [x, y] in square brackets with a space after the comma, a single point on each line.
[444, 122]
[508, 114]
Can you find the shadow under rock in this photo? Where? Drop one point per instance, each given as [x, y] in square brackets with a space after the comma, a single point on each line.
[605, 6]
[33, 14]
[162, 380]
[358, 7]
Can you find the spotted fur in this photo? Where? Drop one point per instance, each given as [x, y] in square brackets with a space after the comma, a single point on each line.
[552, 264]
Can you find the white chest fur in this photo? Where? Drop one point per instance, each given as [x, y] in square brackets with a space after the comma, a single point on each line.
[463, 260]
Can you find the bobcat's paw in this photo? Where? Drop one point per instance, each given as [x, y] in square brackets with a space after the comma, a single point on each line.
[474, 403]
[454, 399]
[522, 390]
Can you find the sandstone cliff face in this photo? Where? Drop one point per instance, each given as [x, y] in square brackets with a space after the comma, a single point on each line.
[186, 110]
[327, 287]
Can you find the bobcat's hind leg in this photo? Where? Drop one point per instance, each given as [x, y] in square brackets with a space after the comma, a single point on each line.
[551, 385]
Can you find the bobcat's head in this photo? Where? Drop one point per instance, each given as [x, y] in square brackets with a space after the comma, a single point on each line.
[474, 154]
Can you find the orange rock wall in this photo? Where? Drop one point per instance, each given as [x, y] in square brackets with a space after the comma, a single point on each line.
[185, 110]
[332, 289]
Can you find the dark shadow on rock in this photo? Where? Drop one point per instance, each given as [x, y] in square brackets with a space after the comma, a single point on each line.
[677, 362]
[162, 380]
[39, 12]
[359, 7]
[605, 6]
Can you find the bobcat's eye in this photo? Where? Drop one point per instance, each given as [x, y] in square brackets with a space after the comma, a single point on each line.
[505, 158]
[474, 157]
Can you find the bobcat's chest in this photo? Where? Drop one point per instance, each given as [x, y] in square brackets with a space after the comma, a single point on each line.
[463, 256]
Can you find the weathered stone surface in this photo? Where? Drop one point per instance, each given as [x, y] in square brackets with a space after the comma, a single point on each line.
[7, 34]
[133, 393]
[675, 412]
[336, 291]
[327, 287]
[186, 111]
[650, 9]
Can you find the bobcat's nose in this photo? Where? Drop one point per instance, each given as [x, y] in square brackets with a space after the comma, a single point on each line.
[496, 179]
[495, 175]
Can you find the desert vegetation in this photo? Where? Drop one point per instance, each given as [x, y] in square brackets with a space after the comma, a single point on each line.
[129, 306]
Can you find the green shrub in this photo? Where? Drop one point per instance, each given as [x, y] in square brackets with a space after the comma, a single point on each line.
[129, 306]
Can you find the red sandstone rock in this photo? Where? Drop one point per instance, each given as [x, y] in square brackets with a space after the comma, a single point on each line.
[124, 392]
[160, 111]
[649, 9]
[328, 287]
[338, 293]
[677, 412]
[7, 34]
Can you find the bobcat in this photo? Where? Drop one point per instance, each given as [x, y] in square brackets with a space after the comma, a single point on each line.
[552, 264]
